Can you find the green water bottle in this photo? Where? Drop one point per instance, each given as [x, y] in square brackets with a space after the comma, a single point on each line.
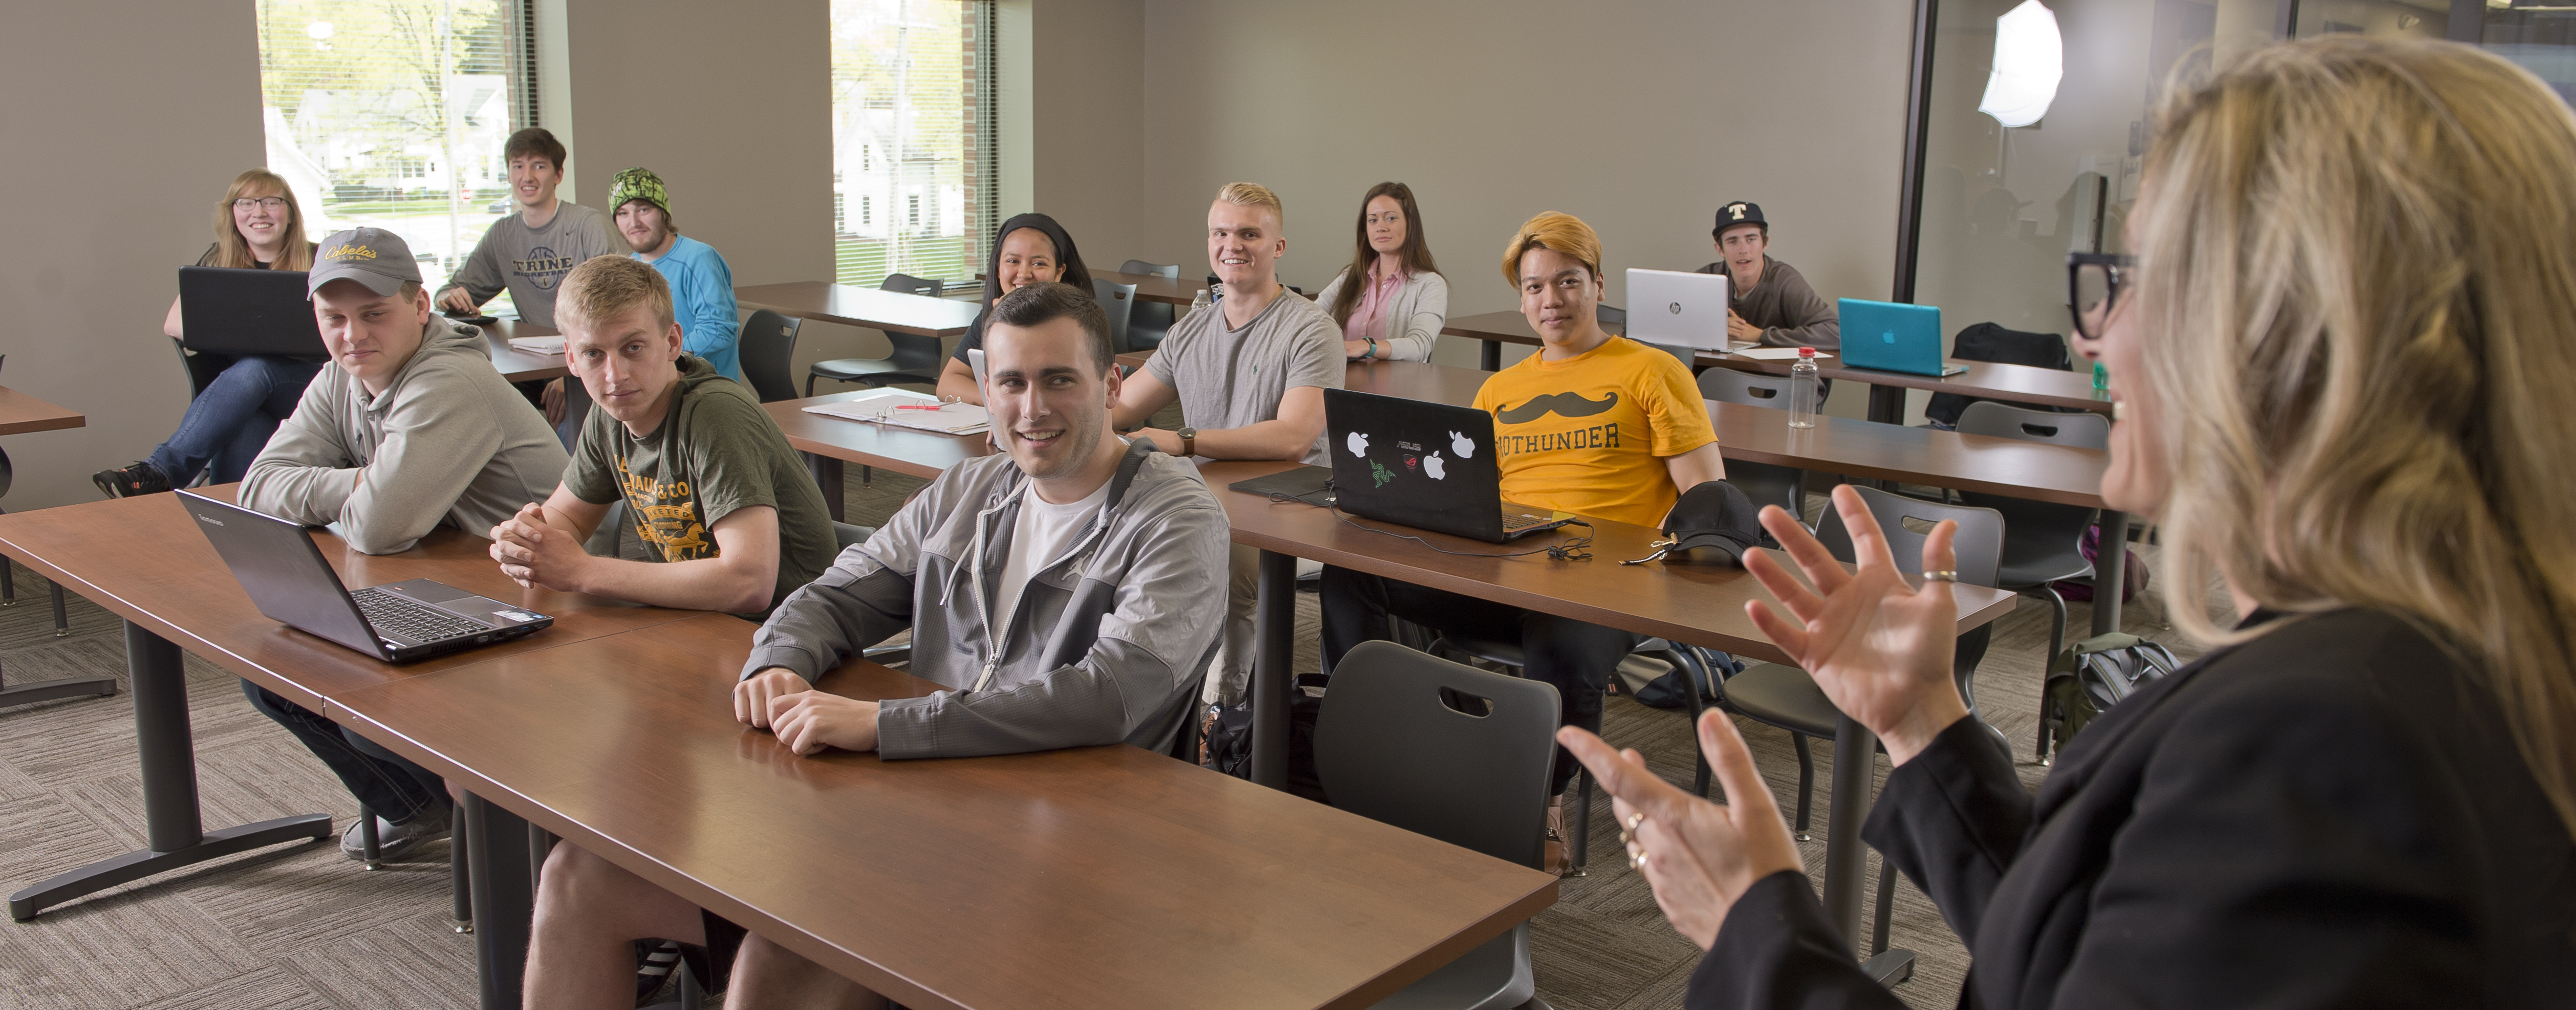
[2101, 376]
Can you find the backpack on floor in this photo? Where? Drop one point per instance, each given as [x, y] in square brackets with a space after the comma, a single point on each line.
[2093, 675]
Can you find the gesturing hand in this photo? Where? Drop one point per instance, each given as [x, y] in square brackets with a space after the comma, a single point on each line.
[1880, 649]
[1698, 856]
[812, 720]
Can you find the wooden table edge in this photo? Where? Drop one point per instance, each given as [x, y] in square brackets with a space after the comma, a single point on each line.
[864, 324]
[60, 423]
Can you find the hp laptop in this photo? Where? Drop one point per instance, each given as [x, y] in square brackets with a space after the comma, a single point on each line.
[285, 574]
[237, 312]
[1891, 337]
[1426, 465]
[1677, 309]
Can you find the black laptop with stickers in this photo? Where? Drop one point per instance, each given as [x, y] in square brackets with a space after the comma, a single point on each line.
[1422, 464]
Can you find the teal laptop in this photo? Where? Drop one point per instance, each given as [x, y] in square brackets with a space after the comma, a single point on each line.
[1891, 337]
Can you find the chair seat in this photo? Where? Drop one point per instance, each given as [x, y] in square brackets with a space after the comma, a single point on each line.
[1635, 667]
[1495, 976]
[2031, 568]
[858, 369]
[1782, 696]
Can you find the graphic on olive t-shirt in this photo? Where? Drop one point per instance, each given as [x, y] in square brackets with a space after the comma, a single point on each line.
[667, 517]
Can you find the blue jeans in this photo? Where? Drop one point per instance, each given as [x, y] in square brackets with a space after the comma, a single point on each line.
[230, 422]
[396, 789]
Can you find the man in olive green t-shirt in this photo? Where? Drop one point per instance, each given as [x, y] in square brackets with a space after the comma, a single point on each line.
[729, 518]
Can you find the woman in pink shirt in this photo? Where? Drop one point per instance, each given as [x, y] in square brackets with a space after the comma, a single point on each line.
[1391, 301]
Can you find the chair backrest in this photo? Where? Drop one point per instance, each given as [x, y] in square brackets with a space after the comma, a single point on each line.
[1119, 301]
[2087, 430]
[1992, 342]
[1172, 270]
[849, 536]
[912, 285]
[1613, 318]
[768, 345]
[1440, 749]
[1726, 385]
[1979, 545]
[1689, 356]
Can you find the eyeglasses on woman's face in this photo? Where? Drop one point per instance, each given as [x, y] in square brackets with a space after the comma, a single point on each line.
[2093, 283]
[251, 203]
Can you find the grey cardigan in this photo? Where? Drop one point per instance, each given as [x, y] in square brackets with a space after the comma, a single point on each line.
[448, 442]
[1413, 318]
[1107, 644]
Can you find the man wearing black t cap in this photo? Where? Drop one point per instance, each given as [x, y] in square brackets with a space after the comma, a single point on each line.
[1769, 303]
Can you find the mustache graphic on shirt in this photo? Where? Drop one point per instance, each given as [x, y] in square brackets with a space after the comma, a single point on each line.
[1561, 404]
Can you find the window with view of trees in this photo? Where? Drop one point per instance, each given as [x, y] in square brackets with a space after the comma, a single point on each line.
[392, 113]
[909, 115]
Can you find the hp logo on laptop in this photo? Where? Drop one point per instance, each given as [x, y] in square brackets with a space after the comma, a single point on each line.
[1674, 308]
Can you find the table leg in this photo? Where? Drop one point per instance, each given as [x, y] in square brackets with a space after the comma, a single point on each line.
[1274, 650]
[1491, 356]
[1887, 404]
[2110, 571]
[1846, 860]
[504, 887]
[168, 755]
[827, 475]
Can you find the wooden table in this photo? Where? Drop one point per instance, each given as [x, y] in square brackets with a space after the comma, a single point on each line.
[21, 413]
[517, 365]
[1098, 876]
[1412, 380]
[2046, 387]
[143, 559]
[849, 305]
[1179, 291]
[829, 441]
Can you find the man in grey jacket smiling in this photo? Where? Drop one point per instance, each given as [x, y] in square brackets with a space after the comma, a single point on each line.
[1069, 592]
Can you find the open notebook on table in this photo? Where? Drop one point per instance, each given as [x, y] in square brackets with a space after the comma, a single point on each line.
[908, 409]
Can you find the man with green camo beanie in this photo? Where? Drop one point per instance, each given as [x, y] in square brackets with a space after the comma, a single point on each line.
[701, 283]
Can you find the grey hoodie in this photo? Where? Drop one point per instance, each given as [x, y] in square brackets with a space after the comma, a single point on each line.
[449, 441]
[1107, 644]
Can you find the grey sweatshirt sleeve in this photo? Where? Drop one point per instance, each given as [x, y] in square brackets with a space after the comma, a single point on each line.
[1815, 322]
[1154, 644]
[1413, 337]
[310, 465]
[480, 275]
[863, 599]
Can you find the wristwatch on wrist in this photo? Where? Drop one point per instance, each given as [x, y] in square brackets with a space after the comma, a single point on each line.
[1372, 351]
[1189, 441]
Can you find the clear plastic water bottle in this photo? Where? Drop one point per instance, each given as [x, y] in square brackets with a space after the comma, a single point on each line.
[1803, 390]
[1202, 301]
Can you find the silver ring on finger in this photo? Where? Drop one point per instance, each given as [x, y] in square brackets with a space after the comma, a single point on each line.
[1943, 575]
[1637, 861]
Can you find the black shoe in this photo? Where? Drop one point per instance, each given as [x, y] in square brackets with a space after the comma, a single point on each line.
[655, 966]
[140, 479]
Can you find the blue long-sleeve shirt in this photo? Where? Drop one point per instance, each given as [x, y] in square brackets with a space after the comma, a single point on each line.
[702, 300]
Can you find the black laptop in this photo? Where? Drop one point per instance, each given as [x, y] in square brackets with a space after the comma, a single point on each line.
[1426, 465]
[228, 311]
[285, 574]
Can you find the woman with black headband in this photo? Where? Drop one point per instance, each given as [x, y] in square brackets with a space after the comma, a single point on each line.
[1029, 249]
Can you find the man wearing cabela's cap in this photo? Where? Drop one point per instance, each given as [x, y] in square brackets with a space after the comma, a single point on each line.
[407, 429]
[1768, 302]
[701, 283]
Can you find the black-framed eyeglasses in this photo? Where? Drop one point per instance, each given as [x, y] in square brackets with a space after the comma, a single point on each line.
[2093, 282]
[256, 202]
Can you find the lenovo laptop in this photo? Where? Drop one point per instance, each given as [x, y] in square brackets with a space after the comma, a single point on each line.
[1676, 309]
[1426, 465]
[237, 312]
[1891, 337]
[285, 574]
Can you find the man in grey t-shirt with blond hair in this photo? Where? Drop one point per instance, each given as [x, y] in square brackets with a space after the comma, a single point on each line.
[1250, 373]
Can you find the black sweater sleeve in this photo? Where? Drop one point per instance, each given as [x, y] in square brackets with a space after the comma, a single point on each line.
[1777, 950]
[1953, 819]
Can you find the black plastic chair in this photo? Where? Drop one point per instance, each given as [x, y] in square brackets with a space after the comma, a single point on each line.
[768, 347]
[1991, 342]
[2043, 541]
[1454, 753]
[915, 358]
[1149, 321]
[1119, 301]
[1765, 483]
[1689, 356]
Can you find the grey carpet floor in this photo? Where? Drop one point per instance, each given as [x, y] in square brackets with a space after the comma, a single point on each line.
[300, 926]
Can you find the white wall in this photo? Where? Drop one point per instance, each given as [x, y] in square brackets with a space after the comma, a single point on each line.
[124, 124]
[1641, 118]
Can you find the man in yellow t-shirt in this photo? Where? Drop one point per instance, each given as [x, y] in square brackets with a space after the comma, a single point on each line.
[1593, 424]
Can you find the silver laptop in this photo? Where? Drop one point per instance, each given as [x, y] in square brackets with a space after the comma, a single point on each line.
[292, 582]
[1678, 309]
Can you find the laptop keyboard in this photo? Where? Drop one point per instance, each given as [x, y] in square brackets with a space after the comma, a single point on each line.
[391, 614]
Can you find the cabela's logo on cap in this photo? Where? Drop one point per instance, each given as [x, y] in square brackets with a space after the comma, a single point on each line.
[350, 252]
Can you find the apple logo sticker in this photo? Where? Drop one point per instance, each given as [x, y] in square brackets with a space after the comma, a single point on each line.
[1459, 444]
[1432, 466]
[1359, 444]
